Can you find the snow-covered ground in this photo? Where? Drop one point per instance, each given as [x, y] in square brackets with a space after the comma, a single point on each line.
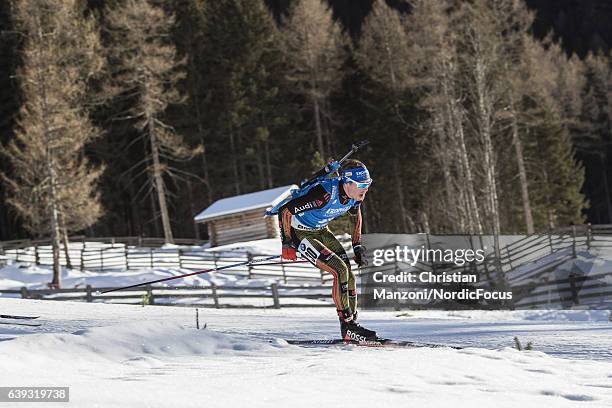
[133, 356]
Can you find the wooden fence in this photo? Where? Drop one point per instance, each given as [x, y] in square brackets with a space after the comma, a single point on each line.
[213, 296]
[525, 265]
[118, 255]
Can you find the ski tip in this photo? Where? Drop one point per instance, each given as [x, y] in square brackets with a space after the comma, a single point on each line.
[5, 316]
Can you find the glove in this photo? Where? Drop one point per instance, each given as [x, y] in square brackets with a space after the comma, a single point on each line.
[360, 258]
[289, 252]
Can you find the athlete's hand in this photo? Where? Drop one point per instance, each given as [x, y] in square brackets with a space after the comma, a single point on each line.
[289, 252]
[360, 255]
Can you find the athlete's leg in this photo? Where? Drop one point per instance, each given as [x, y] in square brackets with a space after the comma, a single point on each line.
[331, 242]
[311, 246]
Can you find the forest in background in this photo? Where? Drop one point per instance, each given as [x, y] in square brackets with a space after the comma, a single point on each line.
[129, 117]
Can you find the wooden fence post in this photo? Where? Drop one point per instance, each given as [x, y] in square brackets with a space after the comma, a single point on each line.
[550, 240]
[89, 296]
[180, 256]
[102, 259]
[250, 259]
[322, 276]
[215, 260]
[588, 234]
[572, 282]
[83, 257]
[509, 257]
[275, 298]
[284, 272]
[127, 257]
[36, 255]
[150, 295]
[213, 288]
[24, 293]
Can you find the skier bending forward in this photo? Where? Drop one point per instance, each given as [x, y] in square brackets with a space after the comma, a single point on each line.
[304, 228]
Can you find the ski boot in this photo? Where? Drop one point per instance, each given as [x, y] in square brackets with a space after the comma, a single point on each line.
[352, 331]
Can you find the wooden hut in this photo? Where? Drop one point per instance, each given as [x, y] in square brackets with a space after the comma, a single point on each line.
[241, 218]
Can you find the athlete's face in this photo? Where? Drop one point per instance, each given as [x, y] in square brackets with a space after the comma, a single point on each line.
[354, 192]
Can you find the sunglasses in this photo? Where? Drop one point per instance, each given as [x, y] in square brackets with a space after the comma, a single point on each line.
[359, 184]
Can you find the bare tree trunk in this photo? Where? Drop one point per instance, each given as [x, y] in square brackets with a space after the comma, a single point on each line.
[469, 177]
[518, 149]
[156, 230]
[491, 188]
[549, 212]
[65, 241]
[442, 147]
[425, 222]
[488, 153]
[53, 210]
[455, 118]
[159, 184]
[55, 233]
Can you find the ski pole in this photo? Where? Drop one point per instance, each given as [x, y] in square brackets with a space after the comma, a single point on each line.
[194, 273]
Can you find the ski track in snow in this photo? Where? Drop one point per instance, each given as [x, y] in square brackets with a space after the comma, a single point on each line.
[134, 356]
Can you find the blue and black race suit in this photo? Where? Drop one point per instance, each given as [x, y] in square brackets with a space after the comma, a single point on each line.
[304, 223]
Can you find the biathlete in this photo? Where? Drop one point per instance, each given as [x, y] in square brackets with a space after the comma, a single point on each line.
[303, 222]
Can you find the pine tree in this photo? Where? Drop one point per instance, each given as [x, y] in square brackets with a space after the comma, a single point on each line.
[146, 69]
[53, 186]
[435, 77]
[382, 55]
[10, 41]
[593, 131]
[248, 109]
[313, 46]
[544, 86]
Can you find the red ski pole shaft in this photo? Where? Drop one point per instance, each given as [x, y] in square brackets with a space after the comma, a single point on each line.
[193, 273]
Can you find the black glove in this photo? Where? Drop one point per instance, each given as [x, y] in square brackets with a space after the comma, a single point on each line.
[360, 258]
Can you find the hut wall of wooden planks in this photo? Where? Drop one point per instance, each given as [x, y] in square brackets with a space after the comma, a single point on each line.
[246, 226]
[241, 218]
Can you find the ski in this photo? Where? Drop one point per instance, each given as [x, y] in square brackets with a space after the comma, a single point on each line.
[368, 343]
[22, 324]
[18, 317]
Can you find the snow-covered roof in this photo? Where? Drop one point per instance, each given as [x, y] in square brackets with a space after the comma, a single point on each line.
[245, 202]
